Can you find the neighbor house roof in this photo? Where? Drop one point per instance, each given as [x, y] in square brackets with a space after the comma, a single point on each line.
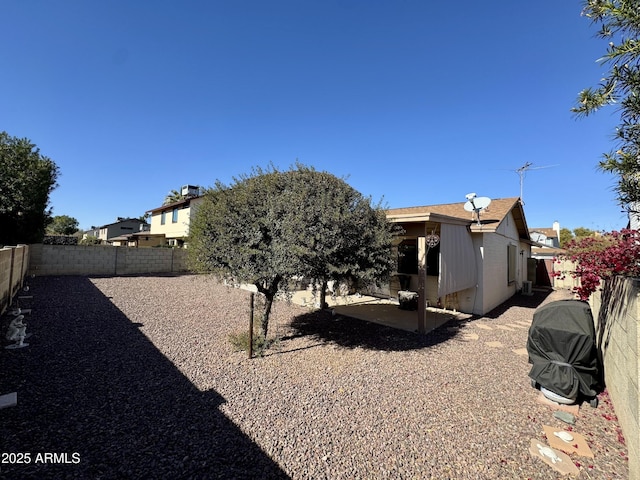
[173, 205]
[122, 220]
[548, 232]
[490, 217]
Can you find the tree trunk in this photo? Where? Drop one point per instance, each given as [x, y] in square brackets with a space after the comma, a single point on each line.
[323, 293]
[269, 293]
[264, 325]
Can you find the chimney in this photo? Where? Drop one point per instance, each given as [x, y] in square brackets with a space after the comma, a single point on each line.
[556, 227]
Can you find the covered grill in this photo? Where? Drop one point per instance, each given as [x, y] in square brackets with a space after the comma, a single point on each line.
[563, 353]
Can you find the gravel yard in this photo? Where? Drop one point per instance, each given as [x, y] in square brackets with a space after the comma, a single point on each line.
[137, 377]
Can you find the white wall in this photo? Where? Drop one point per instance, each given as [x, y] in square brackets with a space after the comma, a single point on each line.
[178, 229]
[492, 261]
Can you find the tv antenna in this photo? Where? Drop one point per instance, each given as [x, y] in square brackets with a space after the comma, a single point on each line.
[475, 204]
[522, 170]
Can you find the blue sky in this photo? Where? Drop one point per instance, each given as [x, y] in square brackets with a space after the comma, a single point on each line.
[416, 101]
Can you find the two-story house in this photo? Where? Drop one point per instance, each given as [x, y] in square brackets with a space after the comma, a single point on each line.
[549, 237]
[172, 220]
[122, 226]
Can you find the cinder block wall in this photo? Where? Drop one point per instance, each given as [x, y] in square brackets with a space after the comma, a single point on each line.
[616, 311]
[104, 260]
[14, 263]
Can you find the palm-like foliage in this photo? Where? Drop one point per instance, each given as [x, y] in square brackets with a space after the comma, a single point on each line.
[172, 197]
[619, 22]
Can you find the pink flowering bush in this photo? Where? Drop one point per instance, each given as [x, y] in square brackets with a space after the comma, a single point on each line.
[602, 257]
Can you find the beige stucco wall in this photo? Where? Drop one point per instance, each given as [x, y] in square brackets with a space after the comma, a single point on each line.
[104, 260]
[616, 312]
[14, 263]
[178, 229]
[148, 241]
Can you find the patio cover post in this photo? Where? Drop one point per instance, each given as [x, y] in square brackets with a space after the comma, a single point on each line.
[422, 281]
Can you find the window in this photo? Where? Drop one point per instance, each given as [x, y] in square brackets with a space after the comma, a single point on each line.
[511, 263]
[163, 218]
[408, 256]
[433, 261]
[174, 216]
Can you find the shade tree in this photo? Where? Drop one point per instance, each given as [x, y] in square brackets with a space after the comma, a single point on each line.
[27, 178]
[269, 227]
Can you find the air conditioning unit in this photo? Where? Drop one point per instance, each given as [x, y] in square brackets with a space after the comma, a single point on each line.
[527, 287]
[190, 191]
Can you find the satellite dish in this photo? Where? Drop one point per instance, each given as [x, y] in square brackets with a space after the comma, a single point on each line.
[475, 204]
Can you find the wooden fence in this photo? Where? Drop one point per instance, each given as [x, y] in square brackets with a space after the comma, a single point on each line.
[14, 265]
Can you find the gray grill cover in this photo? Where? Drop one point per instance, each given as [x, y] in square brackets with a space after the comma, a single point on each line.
[562, 349]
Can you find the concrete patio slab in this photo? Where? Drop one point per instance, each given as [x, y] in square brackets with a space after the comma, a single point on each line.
[379, 310]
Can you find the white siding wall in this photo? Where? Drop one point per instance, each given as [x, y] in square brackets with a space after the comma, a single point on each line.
[491, 257]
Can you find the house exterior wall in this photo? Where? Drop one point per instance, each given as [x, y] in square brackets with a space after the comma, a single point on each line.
[465, 299]
[178, 228]
[116, 229]
[634, 218]
[493, 266]
[122, 228]
[501, 261]
[147, 241]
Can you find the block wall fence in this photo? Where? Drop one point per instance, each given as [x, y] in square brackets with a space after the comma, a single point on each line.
[14, 264]
[616, 310]
[104, 260]
[616, 313]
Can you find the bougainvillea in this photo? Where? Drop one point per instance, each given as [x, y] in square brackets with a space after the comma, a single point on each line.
[600, 257]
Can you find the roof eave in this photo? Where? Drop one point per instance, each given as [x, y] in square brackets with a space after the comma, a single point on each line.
[425, 217]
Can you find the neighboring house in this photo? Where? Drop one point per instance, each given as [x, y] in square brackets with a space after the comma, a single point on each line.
[123, 226]
[549, 237]
[140, 239]
[544, 251]
[475, 266]
[634, 216]
[173, 220]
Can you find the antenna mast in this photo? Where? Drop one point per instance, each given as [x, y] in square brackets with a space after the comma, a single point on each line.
[520, 171]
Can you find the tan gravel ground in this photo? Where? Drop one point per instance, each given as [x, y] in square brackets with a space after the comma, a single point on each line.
[136, 375]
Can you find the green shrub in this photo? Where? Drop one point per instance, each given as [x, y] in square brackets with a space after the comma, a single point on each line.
[240, 341]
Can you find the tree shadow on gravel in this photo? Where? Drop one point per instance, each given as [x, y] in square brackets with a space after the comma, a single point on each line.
[349, 332]
[90, 383]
